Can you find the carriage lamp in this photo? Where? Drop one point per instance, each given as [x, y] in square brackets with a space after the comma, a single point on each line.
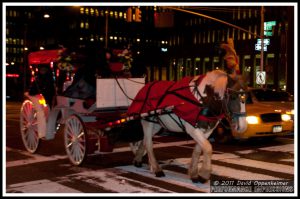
[252, 119]
[42, 100]
[286, 117]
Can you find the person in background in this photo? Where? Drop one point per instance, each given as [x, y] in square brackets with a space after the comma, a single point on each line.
[43, 84]
[104, 59]
[138, 68]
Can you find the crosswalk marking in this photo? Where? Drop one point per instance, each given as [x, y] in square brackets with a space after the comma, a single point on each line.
[281, 148]
[107, 180]
[33, 158]
[40, 186]
[118, 180]
[171, 177]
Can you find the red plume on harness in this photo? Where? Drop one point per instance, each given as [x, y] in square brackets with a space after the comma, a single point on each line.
[231, 57]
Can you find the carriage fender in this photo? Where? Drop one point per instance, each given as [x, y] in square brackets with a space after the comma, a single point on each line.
[41, 112]
[53, 117]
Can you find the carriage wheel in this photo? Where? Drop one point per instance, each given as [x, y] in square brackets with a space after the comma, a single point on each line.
[29, 126]
[75, 136]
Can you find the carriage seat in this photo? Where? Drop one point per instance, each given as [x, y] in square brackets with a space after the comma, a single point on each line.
[80, 90]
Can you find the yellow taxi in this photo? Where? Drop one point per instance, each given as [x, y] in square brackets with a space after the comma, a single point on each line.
[270, 114]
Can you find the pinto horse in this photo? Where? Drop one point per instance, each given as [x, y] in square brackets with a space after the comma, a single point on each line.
[199, 105]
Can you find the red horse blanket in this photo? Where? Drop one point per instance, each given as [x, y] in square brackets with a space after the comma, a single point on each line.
[161, 94]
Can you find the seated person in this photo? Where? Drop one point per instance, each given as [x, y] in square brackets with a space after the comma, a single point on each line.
[43, 84]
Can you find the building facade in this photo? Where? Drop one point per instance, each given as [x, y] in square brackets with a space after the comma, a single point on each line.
[172, 44]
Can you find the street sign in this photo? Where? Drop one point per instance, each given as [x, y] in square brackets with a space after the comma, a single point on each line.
[260, 77]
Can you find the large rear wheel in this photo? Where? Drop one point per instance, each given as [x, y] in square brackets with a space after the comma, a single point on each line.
[75, 139]
[29, 126]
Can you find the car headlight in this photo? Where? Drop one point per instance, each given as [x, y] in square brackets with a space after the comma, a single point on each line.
[291, 112]
[286, 117]
[252, 119]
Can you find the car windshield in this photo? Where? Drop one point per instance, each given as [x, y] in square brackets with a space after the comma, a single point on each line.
[270, 95]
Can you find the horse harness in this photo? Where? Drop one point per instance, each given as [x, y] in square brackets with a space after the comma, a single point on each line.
[206, 110]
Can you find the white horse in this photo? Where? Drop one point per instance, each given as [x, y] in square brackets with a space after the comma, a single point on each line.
[218, 94]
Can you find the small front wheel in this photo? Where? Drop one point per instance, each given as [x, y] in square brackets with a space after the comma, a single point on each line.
[75, 138]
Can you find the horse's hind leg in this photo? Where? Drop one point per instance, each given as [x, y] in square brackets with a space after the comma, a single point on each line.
[137, 161]
[150, 129]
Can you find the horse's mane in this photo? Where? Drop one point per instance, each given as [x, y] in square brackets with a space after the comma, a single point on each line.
[217, 79]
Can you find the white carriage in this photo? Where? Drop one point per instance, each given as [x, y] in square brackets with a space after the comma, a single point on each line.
[86, 127]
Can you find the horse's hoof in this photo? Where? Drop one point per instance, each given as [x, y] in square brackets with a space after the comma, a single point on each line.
[202, 180]
[195, 180]
[160, 174]
[137, 164]
[199, 179]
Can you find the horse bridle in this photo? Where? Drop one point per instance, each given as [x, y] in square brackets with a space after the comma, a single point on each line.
[229, 92]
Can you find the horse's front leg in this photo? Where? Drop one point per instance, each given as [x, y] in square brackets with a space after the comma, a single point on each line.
[150, 129]
[202, 143]
[193, 169]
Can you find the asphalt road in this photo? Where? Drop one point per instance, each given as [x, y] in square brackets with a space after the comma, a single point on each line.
[49, 172]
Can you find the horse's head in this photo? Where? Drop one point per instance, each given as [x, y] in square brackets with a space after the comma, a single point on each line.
[235, 105]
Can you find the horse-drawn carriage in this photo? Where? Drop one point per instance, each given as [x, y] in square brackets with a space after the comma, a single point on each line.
[193, 105]
[86, 121]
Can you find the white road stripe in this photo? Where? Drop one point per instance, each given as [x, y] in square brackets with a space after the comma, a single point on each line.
[240, 174]
[280, 148]
[171, 177]
[34, 158]
[262, 165]
[108, 179]
[40, 186]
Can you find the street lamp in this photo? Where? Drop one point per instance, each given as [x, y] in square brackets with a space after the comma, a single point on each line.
[46, 16]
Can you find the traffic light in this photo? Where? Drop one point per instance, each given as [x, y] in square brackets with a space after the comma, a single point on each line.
[129, 15]
[138, 15]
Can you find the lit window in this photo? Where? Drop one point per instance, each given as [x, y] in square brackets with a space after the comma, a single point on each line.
[87, 25]
[97, 12]
[81, 24]
[249, 35]
[111, 13]
[92, 11]
[120, 14]
[87, 11]
[81, 10]
[116, 15]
